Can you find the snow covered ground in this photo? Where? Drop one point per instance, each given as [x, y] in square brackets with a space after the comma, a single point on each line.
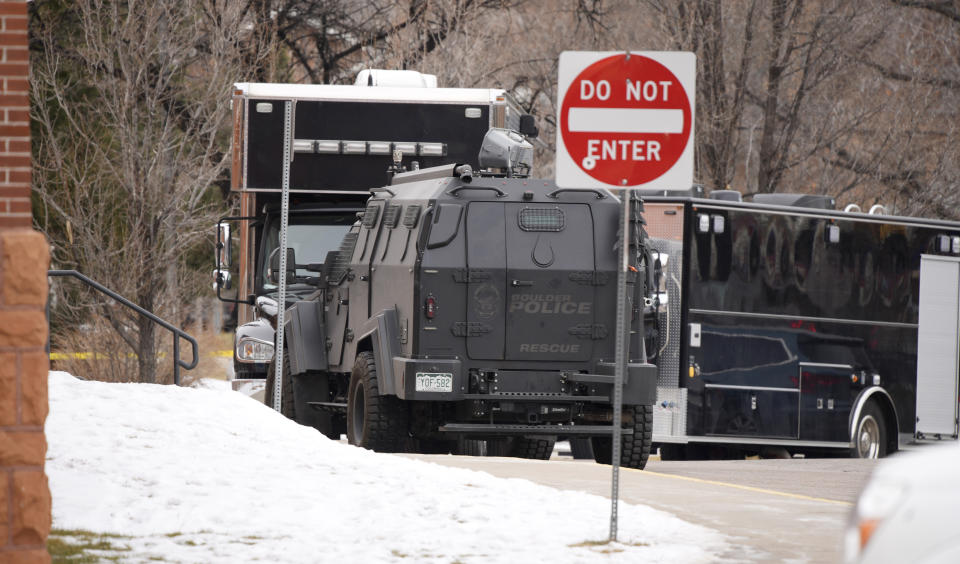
[209, 475]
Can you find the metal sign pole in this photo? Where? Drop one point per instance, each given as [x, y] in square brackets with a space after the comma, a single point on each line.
[621, 352]
[282, 283]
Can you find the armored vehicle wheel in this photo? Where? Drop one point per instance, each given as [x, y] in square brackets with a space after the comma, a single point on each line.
[870, 434]
[581, 449]
[293, 404]
[471, 447]
[499, 447]
[634, 448]
[537, 449]
[374, 422]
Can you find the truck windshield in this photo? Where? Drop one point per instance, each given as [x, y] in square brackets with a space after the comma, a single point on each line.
[311, 238]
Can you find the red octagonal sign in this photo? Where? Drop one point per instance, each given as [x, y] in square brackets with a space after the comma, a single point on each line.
[626, 120]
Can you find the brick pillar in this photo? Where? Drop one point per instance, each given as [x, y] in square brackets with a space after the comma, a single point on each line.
[24, 259]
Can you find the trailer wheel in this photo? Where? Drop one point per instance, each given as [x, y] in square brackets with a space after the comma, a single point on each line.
[374, 422]
[581, 449]
[634, 448]
[870, 434]
[536, 449]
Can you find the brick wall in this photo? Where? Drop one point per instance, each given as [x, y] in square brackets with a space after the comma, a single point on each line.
[14, 116]
[24, 259]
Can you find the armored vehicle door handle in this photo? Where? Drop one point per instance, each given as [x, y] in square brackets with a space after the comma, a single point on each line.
[500, 193]
[556, 193]
[516, 283]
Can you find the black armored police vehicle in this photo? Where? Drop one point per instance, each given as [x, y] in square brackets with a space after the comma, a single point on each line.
[468, 308]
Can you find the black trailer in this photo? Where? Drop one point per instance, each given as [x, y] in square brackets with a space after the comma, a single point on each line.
[790, 324]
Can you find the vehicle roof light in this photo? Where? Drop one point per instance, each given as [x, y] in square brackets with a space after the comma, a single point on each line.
[326, 146]
[379, 147]
[406, 148]
[354, 147]
[302, 146]
[432, 149]
[357, 147]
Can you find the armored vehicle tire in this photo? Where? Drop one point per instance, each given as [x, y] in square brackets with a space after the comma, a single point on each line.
[294, 407]
[472, 447]
[635, 447]
[498, 447]
[870, 434]
[581, 449]
[536, 449]
[374, 422]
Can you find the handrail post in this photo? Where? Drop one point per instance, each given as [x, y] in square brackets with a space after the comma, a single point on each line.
[176, 359]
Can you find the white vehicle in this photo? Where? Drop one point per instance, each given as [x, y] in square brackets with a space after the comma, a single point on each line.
[908, 511]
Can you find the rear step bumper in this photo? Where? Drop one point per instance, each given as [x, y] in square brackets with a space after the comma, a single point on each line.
[508, 430]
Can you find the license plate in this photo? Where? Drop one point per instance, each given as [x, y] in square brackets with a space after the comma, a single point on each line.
[434, 382]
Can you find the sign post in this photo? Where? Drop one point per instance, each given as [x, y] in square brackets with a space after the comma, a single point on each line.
[288, 123]
[625, 121]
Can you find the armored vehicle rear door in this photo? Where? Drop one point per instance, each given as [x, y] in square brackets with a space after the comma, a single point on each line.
[531, 292]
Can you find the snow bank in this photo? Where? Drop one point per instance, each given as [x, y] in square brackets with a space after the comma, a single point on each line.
[209, 475]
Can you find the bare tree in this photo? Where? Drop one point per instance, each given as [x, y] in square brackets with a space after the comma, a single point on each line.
[131, 128]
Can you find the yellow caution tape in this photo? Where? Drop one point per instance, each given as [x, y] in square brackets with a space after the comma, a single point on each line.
[105, 356]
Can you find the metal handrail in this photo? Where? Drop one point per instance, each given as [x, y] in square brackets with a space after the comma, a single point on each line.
[177, 333]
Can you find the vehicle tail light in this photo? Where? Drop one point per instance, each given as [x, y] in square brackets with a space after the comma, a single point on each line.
[430, 307]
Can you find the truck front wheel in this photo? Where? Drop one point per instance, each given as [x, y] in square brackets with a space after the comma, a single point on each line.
[635, 447]
[374, 422]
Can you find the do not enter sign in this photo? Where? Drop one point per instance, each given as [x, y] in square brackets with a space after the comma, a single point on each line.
[625, 120]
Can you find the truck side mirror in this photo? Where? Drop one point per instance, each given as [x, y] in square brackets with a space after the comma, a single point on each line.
[273, 273]
[224, 246]
[221, 279]
[528, 126]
